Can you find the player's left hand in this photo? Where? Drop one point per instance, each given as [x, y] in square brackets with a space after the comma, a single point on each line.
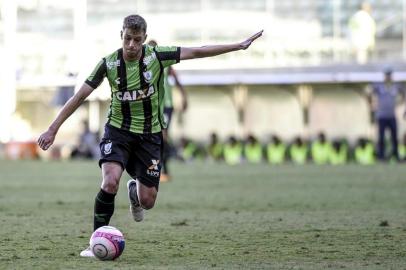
[245, 44]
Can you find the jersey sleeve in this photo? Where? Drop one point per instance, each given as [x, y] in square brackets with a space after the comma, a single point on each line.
[168, 55]
[98, 74]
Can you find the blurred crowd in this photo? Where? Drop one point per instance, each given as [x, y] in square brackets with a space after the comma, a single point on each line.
[276, 151]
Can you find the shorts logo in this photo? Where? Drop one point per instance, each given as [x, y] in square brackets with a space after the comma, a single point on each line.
[107, 148]
[154, 165]
[153, 170]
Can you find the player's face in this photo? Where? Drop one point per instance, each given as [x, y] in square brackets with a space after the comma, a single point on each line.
[132, 43]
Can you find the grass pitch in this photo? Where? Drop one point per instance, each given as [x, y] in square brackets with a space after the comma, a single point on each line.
[211, 217]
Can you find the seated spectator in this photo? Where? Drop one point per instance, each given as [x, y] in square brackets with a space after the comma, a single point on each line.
[188, 149]
[88, 146]
[233, 151]
[253, 150]
[320, 150]
[276, 151]
[339, 152]
[215, 148]
[364, 152]
[298, 151]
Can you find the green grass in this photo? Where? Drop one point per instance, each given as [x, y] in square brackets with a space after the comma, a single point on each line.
[211, 217]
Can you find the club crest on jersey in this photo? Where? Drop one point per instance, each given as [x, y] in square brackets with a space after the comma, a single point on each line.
[113, 64]
[147, 76]
[135, 94]
[107, 148]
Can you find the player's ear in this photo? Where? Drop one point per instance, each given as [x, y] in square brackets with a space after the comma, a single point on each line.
[145, 37]
[121, 34]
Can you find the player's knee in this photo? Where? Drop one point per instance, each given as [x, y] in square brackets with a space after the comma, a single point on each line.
[110, 182]
[110, 186]
[147, 201]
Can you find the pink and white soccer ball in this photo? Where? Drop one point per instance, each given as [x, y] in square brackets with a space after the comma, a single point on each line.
[107, 243]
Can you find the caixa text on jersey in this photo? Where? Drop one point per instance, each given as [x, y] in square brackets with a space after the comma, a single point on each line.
[135, 94]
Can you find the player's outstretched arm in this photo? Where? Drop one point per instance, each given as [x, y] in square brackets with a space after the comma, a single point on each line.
[47, 138]
[213, 50]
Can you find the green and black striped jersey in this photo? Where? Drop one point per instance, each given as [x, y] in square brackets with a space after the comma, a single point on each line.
[137, 87]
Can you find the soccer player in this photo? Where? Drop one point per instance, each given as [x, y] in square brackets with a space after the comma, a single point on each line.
[132, 139]
[168, 110]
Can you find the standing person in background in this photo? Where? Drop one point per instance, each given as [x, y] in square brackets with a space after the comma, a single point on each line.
[362, 29]
[168, 110]
[133, 133]
[383, 100]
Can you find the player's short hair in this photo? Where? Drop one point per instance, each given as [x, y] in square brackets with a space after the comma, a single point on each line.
[135, 22]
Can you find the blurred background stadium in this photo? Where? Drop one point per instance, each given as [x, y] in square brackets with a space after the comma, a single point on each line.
[303, 77]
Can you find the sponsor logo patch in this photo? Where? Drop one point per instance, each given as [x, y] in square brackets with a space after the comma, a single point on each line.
[153, 170]
[113, 64]
[148, 59]
[135, 94]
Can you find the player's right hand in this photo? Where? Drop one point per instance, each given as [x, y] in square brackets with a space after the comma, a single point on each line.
[46, 139]
[245, 44]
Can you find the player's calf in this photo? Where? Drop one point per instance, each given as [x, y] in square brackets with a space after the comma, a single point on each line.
[135, 207]
[147, 201]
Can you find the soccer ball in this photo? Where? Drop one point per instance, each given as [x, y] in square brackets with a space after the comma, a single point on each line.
[107, 243]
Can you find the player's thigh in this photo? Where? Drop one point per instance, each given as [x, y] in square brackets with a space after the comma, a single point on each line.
[115, 146]
[111, 172]
[145, 161]
[115, 150]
